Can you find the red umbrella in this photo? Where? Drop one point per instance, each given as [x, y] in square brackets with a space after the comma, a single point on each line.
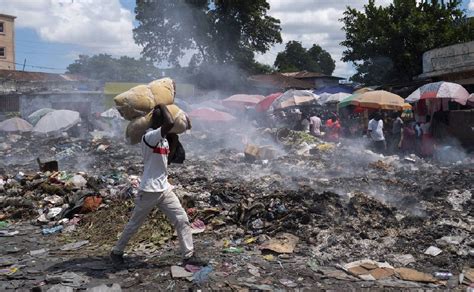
[240, 101]
[265, 104]
[210, 115]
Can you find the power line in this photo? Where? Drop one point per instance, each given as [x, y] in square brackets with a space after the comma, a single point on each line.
[33, 66]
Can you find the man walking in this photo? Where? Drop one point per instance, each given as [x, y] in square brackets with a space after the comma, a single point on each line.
[155, 190]
[375, 130]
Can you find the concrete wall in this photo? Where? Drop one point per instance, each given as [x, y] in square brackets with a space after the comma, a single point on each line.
[7, 41]
[451, 59]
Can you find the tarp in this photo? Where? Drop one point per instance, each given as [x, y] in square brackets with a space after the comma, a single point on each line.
[333, 89]
[57, 121]
[112, 113]
[37, 115]
[210, 115]
[265, 104]
[212, 103]
[240, 101]
[15, 125]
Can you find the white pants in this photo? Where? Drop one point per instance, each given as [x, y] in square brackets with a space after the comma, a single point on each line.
[169, 204]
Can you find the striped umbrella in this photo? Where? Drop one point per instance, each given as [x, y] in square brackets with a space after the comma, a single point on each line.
[440, 89]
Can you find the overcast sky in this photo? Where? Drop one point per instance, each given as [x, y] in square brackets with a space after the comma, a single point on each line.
[52, 33]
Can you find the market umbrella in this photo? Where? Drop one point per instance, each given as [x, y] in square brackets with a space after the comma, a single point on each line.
[440, 89]
[379, 99]
[470, 101]
[240, 101]
[334, 98]
[407, 106]
[265, 104]
[210, 115]
[56, 121]
[348, 100]
[363, 90]
[37, 115]
[15, 125]
[294, 98]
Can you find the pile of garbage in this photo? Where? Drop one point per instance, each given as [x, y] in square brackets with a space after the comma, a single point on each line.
[311, 212]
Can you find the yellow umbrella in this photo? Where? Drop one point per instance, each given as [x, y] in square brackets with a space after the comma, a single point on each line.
[407, 106]
[379, 99]
[363, 90]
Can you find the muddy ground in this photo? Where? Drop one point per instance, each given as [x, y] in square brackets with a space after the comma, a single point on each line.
[344, 204]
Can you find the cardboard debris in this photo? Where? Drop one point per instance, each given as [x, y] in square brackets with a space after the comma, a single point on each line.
[254, 152]
[283, 243]
[369, 270]
[467, 277]
[413, 275]
[403, 259]
[180, 272]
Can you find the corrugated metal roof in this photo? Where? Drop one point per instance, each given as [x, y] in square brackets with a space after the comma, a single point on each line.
[7, 16]
[278, 80]
[306, 74]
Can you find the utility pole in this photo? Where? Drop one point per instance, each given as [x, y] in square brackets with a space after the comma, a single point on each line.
[24, 63]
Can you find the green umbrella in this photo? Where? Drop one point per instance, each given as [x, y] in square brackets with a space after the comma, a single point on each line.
[348, 100]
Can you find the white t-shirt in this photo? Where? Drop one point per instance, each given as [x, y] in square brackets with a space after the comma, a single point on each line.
[426, 128]
[155, 160]
[377, 130]
[305, 124]
[315, 123]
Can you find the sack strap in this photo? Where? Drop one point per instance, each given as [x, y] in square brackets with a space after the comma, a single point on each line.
[146, 143]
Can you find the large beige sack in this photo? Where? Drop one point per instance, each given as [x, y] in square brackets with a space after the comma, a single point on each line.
[181, 120]
[139, 97]
[162, 90]
[137, 128]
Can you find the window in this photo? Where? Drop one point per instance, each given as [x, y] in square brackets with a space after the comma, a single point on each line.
[2, 29]
[2, 52]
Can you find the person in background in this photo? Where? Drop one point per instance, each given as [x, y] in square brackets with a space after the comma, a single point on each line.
[375, 131]
[315, 126]
[427, 141]
[333, 129]
[155, 190]
[418, 137]
[408, 137]
[397, 133]
[305, 124]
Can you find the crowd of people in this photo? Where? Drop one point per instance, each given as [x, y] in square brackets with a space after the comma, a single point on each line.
[389, 132]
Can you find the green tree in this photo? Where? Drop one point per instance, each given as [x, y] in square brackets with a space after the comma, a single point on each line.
[218, 32]
[386, 44]
[297, 58]
[104, 67]
[323, 59]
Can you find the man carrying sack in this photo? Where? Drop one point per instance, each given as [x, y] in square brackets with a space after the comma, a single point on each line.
[155, 190]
